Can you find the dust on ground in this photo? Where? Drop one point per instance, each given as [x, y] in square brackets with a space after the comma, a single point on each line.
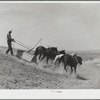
[16, 73]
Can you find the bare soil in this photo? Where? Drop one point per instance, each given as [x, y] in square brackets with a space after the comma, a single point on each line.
[16, 73]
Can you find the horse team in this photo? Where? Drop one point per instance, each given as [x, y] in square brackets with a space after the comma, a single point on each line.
[58, 57]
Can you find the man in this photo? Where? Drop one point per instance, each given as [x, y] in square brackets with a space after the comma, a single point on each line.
[9, 42]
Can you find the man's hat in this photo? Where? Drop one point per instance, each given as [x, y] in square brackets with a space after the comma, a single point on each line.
[10, 31]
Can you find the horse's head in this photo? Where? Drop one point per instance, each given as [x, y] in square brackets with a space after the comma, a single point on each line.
[79, 60]
[61, 52]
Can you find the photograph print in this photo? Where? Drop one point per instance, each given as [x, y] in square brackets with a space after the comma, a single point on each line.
[50, 45]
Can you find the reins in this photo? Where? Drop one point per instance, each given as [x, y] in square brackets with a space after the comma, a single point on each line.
[23, 45]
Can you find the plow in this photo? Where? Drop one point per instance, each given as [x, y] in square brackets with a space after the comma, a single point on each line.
[27, 56]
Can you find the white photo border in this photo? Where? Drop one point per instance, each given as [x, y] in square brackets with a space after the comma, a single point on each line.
[50, 93]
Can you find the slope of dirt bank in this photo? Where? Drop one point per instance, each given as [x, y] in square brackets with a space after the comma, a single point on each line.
[18, 74]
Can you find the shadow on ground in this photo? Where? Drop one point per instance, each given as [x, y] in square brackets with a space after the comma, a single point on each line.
[81, 78]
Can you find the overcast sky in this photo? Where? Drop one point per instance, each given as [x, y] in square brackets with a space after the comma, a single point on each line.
[70, 26]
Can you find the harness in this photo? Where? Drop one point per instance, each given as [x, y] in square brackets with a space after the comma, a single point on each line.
[76, 59]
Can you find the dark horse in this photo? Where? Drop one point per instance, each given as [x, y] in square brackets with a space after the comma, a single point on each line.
[70, 60]
[43, 52]
[39, 51]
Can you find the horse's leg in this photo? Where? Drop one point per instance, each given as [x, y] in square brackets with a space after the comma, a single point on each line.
[34, 59]
[75, 69]
[42, 57]
[39, 56]
[47, 60]
[59, 61]
[65, 67]
[71, 69]
[55, 61]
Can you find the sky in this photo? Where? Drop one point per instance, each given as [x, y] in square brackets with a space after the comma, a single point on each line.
[69, 26]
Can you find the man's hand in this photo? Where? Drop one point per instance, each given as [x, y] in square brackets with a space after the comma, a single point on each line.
[13, 40]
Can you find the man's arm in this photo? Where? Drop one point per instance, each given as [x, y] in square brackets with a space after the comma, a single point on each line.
[13, 40]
